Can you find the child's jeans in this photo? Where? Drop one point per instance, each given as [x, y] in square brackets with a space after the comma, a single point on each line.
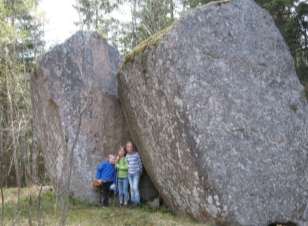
[134, 187]
[123, 190]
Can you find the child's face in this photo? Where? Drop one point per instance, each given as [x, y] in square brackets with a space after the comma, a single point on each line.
[129, 147]
[111, 159]
[121, 152]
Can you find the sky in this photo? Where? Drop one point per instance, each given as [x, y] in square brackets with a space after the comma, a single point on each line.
[60, 16]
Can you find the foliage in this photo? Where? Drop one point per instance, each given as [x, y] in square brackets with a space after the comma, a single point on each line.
[147, 18]
[21, 42]
[154, 16]
[95, 15]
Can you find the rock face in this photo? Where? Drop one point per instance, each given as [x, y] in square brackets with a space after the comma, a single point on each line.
[147, 189]
[74, 95]
[219, 116]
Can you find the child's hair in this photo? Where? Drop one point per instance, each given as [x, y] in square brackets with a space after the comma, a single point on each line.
[133, 145]
[123, 147]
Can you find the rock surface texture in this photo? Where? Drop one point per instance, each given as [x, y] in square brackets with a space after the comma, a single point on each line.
[74, 95]
[219, 116]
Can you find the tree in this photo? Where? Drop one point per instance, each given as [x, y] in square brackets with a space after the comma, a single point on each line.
[147, 18]
[154, 16]
[95, 15]
[301, 53]
[21, 41]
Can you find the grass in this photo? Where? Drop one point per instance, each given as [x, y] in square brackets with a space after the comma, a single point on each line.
[30, 211]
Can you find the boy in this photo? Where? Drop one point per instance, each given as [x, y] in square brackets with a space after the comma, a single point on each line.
[105, 176]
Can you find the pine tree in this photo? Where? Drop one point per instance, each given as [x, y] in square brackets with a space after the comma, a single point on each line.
[95, 15]
[154, 16]
[21, 42]
[148, 17]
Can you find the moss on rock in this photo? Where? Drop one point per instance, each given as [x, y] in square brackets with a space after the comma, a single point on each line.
[155, 38]
[151, 41]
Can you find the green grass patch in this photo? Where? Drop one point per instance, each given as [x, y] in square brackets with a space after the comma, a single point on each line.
[32, 210]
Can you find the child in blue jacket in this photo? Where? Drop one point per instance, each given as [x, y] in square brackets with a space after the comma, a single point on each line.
[105, 174]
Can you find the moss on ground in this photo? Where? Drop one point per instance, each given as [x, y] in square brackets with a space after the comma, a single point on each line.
[31, 211]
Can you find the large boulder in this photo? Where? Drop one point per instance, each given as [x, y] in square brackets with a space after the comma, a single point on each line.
[76, 112]
[77, 116]
[219, 116]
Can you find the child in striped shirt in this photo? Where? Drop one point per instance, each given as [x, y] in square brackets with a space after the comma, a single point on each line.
[134, 172]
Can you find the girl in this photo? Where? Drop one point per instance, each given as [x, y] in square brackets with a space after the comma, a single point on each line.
[134, 172]
[122, 173]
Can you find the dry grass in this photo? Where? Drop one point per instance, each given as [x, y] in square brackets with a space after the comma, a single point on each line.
[29, 211]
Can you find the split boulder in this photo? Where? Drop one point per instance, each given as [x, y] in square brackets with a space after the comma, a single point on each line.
[76, 112]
